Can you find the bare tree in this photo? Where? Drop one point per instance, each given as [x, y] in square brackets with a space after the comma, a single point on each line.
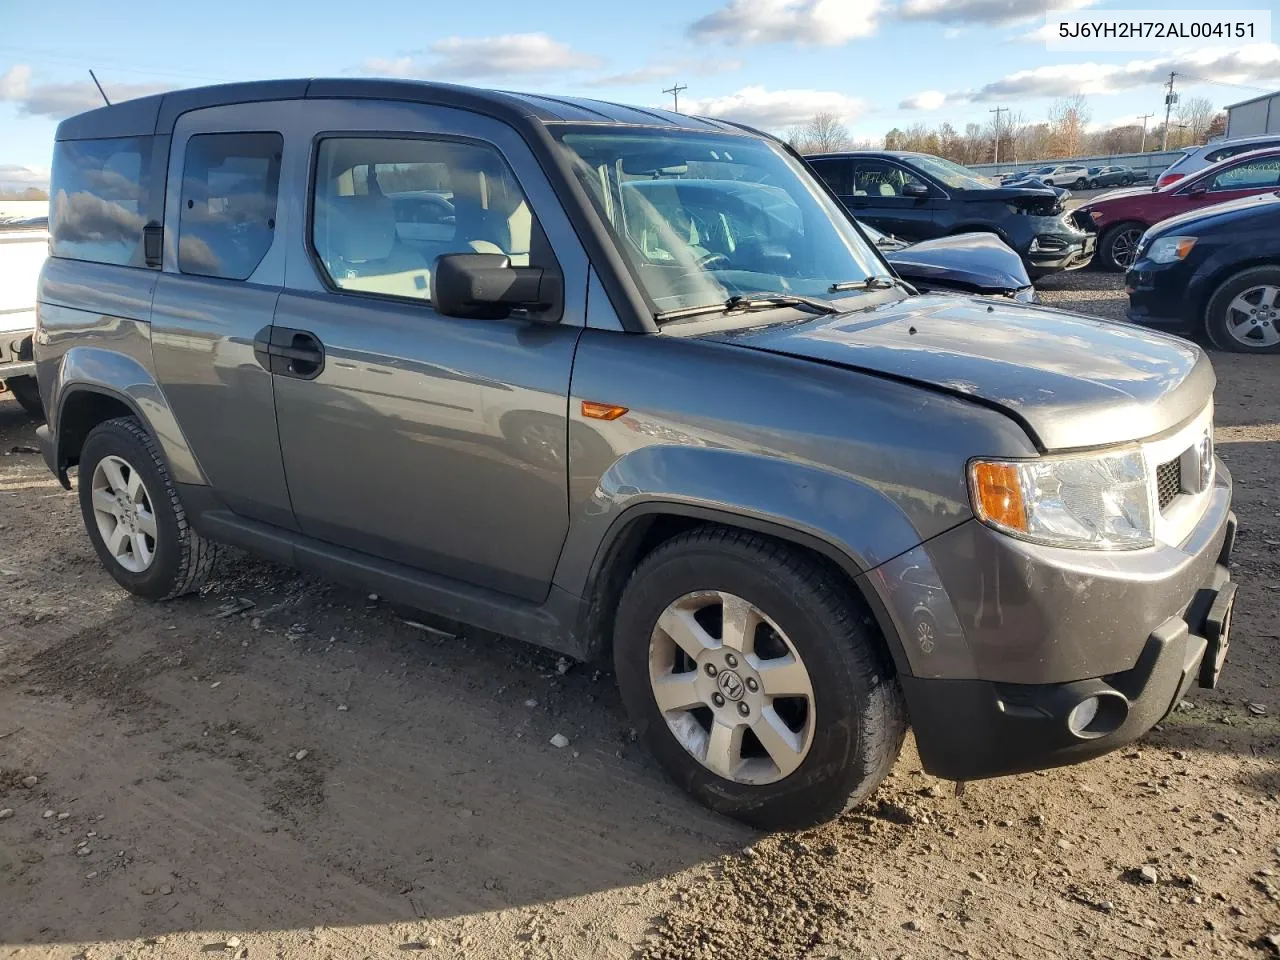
[1068, 117]
[1196, 113]
[824, 133]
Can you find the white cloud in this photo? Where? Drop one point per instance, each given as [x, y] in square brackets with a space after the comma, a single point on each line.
[985, 12]
[1041, 34]
[14, 175]
[690, 67]
[823, 23]
[777, 109]
[924, 100]
[469, 58]
[59, 100]
[1255, 64]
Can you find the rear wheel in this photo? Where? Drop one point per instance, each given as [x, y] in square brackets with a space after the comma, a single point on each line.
[1119, 245]
[1243, 315]
[1080, 183]
[133, 516]
[756, 679]
[26, 390]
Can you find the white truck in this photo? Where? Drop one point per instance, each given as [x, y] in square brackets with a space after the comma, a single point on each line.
[24, 244]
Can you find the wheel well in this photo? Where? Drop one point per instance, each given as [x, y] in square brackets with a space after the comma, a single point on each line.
[1220, 277]
[645, 533]
[81, 412]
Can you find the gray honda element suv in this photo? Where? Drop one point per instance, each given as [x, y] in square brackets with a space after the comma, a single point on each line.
[602, 377]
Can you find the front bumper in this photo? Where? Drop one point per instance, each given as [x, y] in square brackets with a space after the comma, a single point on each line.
[1158, 294]
[1059, 249]
[972, 729]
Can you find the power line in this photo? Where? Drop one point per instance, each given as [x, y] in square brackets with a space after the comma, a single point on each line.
[675, 90]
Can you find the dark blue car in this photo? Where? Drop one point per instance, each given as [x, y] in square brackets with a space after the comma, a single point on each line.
[1215, 269]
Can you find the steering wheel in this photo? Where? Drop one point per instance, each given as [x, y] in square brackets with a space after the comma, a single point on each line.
[707, 260]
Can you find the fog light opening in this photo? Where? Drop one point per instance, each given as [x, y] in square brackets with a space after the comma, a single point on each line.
[1097, 716]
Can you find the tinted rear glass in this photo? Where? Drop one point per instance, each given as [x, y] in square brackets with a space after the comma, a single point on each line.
[228, 216]
[100, 190]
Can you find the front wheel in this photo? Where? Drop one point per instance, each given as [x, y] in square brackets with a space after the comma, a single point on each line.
[756, 678]
[1243, 315]
[1118, 247]
[133, 516]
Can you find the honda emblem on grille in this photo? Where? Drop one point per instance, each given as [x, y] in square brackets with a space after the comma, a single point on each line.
[1205, 451]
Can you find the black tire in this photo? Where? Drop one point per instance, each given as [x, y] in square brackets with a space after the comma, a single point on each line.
[1080, 184]
[1091, 185]
[183, 559]
[1216, 319]
[860, 716]
[1113, 238]
[26, 390]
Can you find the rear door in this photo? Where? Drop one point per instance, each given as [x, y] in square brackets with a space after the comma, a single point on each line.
[222, 274]
[436, 442]
[878, 197]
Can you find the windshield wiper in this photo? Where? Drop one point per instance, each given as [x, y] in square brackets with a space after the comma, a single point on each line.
[873, 283]
[750, 303]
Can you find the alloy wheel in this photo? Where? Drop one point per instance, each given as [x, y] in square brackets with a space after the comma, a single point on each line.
[122, 509]
[1125, 247]
[732, 687]
[1253, 316]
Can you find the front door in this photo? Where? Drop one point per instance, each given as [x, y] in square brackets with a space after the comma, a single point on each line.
[880, 197]
[223, 270]
[436, 442]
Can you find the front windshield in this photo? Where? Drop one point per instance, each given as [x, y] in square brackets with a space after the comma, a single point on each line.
[703, 217]
[951, 174]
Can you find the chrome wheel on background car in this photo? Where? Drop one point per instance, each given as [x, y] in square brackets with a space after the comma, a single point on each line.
[1120, 245]
[122, 509]
[731, 687]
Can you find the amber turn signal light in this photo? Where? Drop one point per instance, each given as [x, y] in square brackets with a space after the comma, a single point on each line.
[601, 411]
[997, 494]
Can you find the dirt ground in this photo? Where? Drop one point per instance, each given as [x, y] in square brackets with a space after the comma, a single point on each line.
[319, 775]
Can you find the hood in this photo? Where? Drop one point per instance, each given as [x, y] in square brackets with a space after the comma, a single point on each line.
[1120, 195]
[1071, 381]
[976, 261]
[1221, 213]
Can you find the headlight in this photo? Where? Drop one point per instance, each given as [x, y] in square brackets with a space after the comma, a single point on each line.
[1169, 249]
[1101, 502]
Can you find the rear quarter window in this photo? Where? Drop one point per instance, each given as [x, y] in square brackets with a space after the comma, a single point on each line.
[100, 190]
[227, 221]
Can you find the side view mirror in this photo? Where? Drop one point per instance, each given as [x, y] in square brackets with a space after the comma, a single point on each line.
[918, 190]
[485, 286]
[1199, 190]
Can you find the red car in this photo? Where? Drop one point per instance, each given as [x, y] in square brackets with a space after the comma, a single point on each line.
[1122, 216]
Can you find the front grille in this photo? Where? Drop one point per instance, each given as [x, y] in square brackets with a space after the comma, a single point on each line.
[1168, 482]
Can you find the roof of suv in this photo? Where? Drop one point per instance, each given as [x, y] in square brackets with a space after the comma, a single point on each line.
[156, 114]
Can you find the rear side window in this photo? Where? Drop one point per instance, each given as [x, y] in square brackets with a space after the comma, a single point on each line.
[1248, 176]
[385, 209]
[100, 191]
[1239, 148]
[837, 173]
[228, 216]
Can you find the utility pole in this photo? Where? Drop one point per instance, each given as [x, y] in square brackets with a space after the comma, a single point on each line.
[1144, 118]
[675, 90]
[997, 111]
[1170, 99]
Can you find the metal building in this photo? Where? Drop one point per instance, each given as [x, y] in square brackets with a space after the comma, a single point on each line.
[1249, 118]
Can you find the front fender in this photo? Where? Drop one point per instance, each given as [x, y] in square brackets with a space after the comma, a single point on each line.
[857, 521]
[98, 370]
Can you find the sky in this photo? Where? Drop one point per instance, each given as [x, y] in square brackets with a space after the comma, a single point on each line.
[771, 63]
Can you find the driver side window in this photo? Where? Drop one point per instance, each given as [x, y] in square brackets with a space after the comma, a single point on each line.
[879, 178]
[1258, 173]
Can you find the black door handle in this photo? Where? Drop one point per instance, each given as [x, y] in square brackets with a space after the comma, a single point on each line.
[289, 352]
